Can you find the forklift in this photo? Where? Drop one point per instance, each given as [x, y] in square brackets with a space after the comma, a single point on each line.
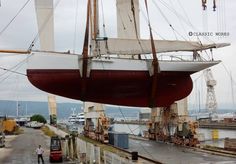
[55, 150]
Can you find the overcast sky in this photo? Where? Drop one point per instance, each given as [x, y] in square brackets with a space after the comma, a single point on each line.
[179, 13]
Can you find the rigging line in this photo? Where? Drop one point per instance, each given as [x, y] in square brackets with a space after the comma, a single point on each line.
[8, 70]
[223, 17]
[134, 134]
[180, 16]
[155, 63]
[176, 13]
[16, 68]
[121, 18]
[134, 16]
[225, 20]
[218, 20]
[2, 80]
[184, 11]
[205, 20]
[43, 26]
[228, 72]
[76, 24]
[103, 19]
[181, 23]
[19, 11]
[17, 65]
[135, 26]
[166, 19]
[145, 17]
[195, 80]
[232, 89]
[209, 56]
[220, 17]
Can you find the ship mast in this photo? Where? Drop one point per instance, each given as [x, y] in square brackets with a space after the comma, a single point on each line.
[91, 35]
[155, 64]
[86, 46]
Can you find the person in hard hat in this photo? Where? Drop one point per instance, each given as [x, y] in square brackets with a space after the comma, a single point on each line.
[40, 152]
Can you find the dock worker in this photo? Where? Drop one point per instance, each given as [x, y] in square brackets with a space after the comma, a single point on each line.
[40, 152]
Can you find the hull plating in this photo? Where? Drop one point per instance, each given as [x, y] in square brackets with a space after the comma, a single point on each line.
[127, 88]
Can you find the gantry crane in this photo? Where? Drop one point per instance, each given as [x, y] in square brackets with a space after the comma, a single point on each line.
[211, 103]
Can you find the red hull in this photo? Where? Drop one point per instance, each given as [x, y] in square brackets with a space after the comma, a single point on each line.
[127, 88]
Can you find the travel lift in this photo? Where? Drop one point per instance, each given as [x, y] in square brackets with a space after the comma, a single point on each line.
[172, 124]
[96, 123]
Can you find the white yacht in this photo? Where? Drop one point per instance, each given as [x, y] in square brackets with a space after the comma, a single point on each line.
[76, 118]
[81, 118]
[72, 119]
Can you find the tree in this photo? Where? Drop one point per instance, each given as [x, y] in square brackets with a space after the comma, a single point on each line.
[38, 118]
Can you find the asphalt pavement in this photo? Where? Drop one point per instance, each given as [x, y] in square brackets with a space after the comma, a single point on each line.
[21, 149]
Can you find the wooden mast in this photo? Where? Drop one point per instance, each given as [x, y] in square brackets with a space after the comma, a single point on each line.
[86, 42]
[155, 64]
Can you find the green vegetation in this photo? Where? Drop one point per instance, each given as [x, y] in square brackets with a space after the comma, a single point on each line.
[38, 118]
[47, 131]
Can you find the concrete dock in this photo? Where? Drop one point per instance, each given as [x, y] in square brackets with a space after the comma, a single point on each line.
[21, 149]
[171, 154]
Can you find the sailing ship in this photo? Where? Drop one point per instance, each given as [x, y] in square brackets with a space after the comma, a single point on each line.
[97, 77]
[112, 70]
